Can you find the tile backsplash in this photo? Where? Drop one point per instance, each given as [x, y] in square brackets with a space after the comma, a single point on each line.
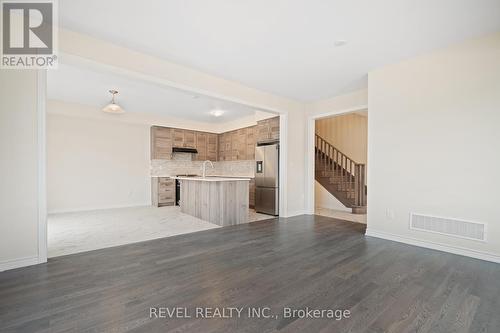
[182, 164]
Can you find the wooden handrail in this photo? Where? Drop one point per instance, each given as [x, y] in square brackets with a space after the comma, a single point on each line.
[328, 143]
[352, 175]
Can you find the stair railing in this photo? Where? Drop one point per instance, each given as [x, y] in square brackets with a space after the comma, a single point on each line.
[352, 175]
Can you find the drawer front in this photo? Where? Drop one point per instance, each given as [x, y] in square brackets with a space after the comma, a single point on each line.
[169, 203]
[166, 191]
[165, 180]
[165, 198]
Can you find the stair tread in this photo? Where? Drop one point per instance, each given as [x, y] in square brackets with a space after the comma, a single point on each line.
[336, 179]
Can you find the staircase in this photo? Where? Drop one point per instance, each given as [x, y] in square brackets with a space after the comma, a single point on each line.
[340, 175]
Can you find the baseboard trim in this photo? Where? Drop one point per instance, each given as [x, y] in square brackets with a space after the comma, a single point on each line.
[296, 213]
[87, 209]
[435, 246]
[18, 263]
[338, 209]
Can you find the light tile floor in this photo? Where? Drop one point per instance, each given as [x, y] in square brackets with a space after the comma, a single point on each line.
[338, 214]
[91, 230]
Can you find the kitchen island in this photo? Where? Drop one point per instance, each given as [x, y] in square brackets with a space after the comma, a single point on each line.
[219, 200]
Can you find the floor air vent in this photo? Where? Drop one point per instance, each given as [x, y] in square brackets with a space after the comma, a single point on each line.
[448, 226]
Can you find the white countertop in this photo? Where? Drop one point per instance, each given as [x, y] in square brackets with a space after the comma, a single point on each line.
[212, 179]
[219, 176]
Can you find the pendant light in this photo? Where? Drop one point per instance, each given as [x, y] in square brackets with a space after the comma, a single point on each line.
[113, 107]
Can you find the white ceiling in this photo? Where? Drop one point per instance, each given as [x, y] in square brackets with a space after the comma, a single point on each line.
[89, 87]
[284, 46]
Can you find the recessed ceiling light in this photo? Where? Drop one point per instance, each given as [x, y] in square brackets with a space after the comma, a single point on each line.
[217, 113]
[340, 42]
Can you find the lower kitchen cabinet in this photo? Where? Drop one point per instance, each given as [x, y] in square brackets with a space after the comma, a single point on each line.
[162, 191]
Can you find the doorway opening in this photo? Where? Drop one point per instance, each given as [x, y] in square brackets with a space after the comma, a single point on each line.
[340, 166]
[101, 167]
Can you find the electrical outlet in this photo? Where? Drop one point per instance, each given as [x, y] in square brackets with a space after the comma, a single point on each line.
[390, 213]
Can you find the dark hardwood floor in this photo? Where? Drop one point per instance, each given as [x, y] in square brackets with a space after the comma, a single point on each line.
[305, 261]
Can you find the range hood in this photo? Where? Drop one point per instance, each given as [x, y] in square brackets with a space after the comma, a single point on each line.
[184, 150]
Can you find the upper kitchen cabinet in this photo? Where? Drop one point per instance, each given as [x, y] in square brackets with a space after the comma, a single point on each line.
[184, 138]
[211, 147]
[201, 146]
[161, 142]
[229, 146]
[232, 152]
[241, 144]
[268, 129]
[164, 138]
[178, 140]
[250, 144]
[189, 139]
[225, 146]
[221, 140]
[274, 127]
[237, 145]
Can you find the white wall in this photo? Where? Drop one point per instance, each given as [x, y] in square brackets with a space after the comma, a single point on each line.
[433, 144]
[18, 169]
[354, 101]
[348, 133]
[96, 163]
[324, 199]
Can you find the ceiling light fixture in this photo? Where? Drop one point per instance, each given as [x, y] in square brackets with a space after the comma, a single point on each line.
[340, 42]
[113, 107]
[216, 113]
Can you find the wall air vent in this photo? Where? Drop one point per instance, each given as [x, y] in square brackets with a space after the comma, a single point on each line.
[448, 226]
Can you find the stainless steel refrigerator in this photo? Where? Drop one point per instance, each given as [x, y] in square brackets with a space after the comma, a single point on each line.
[267, 178]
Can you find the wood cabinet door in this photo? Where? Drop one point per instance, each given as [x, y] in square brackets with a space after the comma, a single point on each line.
[241, 144]
[228, 146]
[233, 144]
[212, 147]
[178, 137]
[250, 146]
[274, 128]
[225, 146]
[262, 130]
[166, 191]
[189, 139]
[268, 129]
[221, 146]
[201, 146]
[161, 143]
[162, 191]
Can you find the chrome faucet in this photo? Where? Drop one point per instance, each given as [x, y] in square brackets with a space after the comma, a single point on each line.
[205, 167]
